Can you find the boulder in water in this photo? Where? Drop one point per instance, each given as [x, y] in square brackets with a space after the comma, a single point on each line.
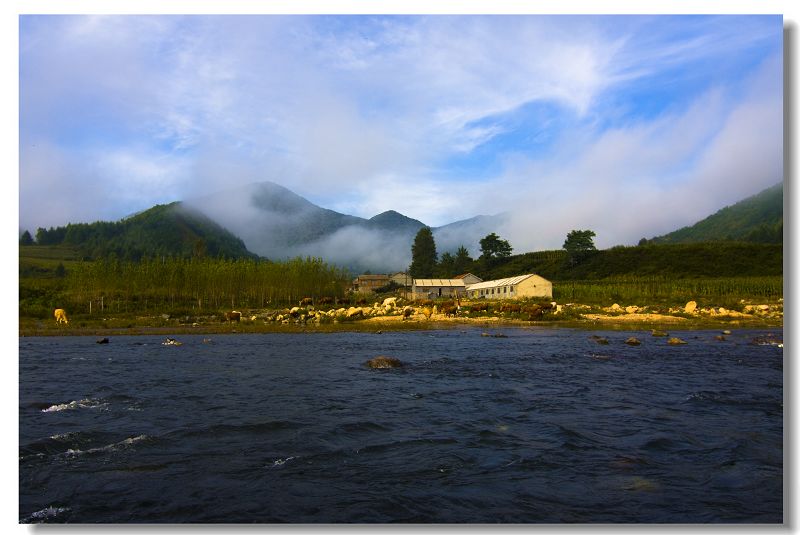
[633, 341]
[674, 341]
[384, 362]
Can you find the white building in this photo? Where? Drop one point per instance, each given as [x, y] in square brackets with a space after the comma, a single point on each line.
[518, 287]
[433, 288]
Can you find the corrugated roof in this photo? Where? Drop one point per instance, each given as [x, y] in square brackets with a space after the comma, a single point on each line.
[499, 282]
[428, 283]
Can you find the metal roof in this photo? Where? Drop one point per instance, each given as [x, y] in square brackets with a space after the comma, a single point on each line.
[499, 282]
[429, 283]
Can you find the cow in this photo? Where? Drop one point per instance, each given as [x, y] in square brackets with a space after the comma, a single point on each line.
[450, 310]
[61, 316]
[408, 312]
[306, 301]
[232, 316]
[326, 301]
[480, 307]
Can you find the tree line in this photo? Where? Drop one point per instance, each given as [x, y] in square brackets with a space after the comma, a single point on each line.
[495, 251]
[200, 284]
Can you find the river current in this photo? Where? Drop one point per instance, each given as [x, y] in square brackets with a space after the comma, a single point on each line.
[531, 425]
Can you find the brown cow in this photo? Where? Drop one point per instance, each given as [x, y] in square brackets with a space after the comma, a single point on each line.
[306, 301]
[480, 307]
[450, 310]
[233, 315]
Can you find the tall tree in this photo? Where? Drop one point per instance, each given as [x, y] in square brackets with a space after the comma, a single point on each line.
[492, 247]
[447, 265]
[462, 262]
[423, 255]
[579, 245]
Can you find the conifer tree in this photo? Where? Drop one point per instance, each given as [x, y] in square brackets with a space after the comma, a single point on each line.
[423, 255]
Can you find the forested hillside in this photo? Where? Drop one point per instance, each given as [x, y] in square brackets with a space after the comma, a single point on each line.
[757, 219]
[685, 260]
[164, 230]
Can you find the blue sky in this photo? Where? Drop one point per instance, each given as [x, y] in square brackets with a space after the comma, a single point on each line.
[630, 125]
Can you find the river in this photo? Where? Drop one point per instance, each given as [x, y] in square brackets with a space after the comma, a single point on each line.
[531, 425]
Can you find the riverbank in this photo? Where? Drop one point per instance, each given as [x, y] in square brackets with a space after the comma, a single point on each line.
[580, 316]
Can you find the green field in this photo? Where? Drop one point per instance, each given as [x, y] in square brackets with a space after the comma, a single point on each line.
[56, 277]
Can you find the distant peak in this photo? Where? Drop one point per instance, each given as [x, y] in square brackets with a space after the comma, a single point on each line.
[388, 213]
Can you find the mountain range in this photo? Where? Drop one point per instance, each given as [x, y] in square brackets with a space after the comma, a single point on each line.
[271, 221]
[277, 223]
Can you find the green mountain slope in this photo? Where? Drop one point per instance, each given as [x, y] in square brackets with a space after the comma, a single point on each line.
[671, 260]
[756, 219]
[164, 230]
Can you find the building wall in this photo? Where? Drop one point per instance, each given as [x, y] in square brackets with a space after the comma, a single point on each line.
[369, 284]
[402, 278]
[471, 279]
[433, 292]
[535, 286]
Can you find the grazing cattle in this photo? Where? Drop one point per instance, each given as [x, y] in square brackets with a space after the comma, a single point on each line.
[232, 316]
[306, 301]
[61, 316]
[408, 312]
[326, 301]
[450, 310]
[480, 307]
[510, 307]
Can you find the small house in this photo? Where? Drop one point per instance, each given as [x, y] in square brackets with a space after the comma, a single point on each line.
[518, 287]
[369, 283]
[433, 288]
[402, 278]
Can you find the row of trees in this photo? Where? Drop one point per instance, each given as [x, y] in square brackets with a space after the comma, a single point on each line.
[202, 283]
[425, 262]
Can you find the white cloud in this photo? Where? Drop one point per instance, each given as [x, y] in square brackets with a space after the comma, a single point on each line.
[364, 116]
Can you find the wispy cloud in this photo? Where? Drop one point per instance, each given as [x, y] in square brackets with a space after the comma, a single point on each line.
[650, 121]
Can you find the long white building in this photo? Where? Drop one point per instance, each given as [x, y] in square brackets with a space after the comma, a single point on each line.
[518, 287]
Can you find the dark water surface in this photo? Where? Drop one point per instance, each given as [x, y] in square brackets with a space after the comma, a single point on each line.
[543, 425]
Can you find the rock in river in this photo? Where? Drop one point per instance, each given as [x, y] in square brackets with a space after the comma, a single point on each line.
[384, 362]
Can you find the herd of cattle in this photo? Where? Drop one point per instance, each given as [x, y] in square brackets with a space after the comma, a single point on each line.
[326, 309]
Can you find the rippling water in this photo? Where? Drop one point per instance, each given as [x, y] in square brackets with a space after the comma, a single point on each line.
[538, 426]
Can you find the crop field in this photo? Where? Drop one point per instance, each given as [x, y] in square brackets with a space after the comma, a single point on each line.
[723, 291]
